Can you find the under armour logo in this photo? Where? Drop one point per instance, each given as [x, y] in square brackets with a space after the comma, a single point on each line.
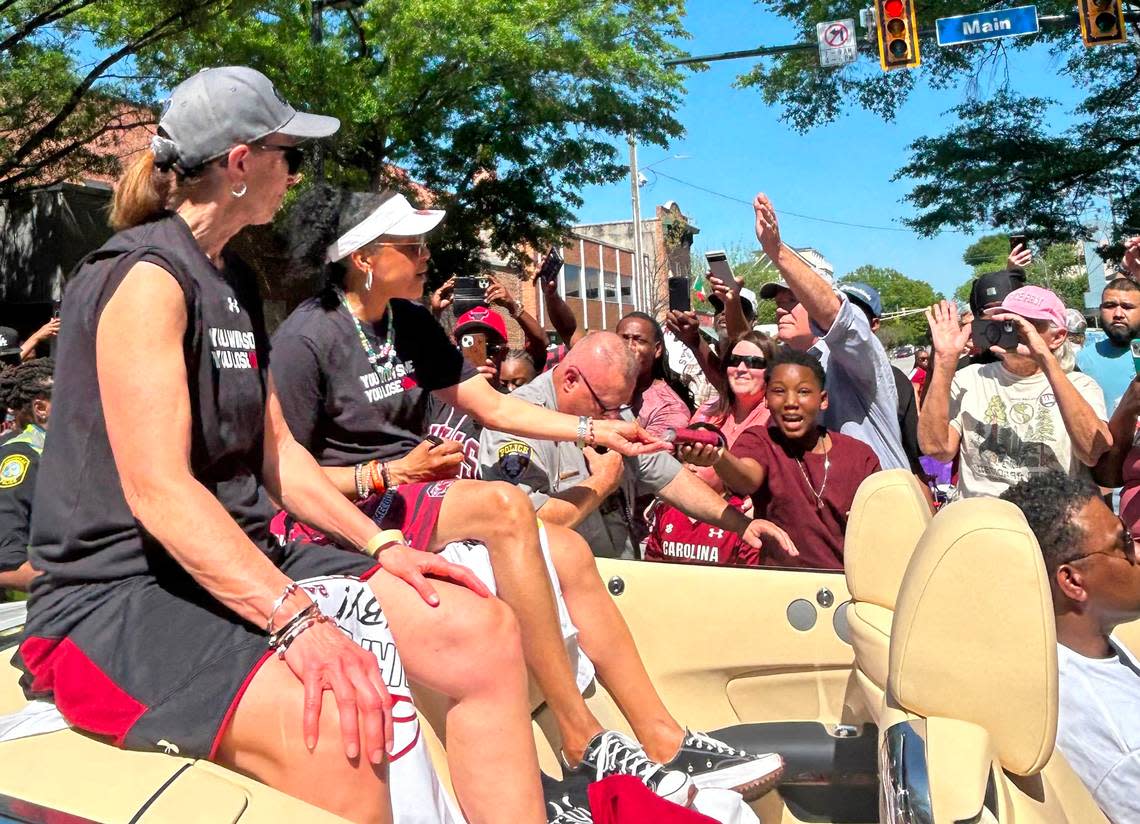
[234, 306]
[167, 747]
[716, 533]
[668, 529]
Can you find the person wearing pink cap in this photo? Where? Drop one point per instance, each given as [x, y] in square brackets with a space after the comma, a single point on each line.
[1020, 416]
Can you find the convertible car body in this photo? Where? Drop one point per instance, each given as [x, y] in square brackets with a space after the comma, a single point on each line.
[919, 686]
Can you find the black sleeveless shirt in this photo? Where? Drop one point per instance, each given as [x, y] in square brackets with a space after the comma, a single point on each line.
[82, 528]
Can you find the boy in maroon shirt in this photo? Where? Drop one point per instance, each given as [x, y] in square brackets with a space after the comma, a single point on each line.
[806, 475]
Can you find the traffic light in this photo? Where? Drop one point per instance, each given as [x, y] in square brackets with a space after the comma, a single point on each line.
[898, 33]
[1102, 22]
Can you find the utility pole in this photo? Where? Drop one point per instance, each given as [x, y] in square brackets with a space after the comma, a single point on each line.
[635, 196]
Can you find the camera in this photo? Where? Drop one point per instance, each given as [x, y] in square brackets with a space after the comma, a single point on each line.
[1000, 333]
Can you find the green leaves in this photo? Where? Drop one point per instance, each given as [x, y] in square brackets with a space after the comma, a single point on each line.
[898, 292]
[504, 110]
[1004, 163]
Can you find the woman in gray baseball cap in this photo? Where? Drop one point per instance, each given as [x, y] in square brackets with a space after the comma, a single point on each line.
[165, 617]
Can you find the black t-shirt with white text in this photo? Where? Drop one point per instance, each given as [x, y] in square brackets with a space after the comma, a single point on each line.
[334, 401]
[82, 527]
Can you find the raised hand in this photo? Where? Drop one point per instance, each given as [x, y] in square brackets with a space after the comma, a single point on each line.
[947, 335]
[1019, 258]
[767, 225]
[1131, 262]
[685, 326]
[441, 298]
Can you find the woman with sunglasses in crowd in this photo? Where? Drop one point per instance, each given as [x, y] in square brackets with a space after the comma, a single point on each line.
[164, 617]
[739, 407]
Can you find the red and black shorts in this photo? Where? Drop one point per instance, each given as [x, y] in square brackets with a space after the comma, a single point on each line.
[411, 508]
[154, 665]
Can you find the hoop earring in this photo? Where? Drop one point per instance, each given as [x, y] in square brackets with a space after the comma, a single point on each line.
[368, 281]
[240, 192]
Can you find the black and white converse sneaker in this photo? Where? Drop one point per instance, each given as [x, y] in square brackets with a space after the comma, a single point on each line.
[565, 811]
[712, 764]
[611, 753]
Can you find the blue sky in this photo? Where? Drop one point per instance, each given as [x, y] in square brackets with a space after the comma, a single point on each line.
[841, 171]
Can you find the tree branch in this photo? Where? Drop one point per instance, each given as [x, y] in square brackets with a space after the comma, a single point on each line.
[170, 24]
[45, 18]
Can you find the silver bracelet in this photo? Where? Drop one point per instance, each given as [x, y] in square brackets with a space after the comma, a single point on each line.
[358, 477]
[289, 590]
[583, 431]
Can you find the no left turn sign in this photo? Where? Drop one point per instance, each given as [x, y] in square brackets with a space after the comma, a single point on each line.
[837, 45]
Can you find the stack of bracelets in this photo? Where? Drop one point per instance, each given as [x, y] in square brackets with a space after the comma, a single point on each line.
[371, 477]
[585, 432]
[280, 639]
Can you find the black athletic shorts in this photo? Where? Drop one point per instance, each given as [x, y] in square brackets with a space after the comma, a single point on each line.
[154, 665]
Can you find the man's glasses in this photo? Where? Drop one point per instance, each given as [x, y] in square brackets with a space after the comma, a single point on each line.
[751, 361]
[620, 409]
[1127, 547]
[294, 157]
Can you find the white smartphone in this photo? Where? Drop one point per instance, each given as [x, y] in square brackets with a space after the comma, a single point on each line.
[718, 265]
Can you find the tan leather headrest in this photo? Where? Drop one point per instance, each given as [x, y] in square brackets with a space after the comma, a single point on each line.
[887, 519]
[974, 636]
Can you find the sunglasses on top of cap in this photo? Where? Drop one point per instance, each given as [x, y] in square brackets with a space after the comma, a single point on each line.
[294, 156]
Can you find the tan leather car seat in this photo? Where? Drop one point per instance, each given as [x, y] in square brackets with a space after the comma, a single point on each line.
[973, 662]
[887, 518]
[974, 637]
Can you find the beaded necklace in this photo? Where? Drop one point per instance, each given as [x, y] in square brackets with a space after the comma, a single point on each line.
[383, 362]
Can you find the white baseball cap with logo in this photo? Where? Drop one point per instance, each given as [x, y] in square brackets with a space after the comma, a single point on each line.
[216, 109]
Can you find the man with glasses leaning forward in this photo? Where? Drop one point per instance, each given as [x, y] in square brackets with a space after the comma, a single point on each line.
[1090, 557]
[593, 492]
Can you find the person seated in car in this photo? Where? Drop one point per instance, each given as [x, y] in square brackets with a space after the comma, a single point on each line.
[801, 476]
[1090, 557]
[165, 617]
[1020, 416]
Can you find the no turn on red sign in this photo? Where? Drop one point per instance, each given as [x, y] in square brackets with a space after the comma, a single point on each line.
[837, 45]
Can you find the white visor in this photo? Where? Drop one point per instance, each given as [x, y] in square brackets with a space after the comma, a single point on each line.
[395, 216]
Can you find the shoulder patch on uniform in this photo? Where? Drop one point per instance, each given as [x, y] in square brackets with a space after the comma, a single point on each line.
[12, 470]
[514, 458]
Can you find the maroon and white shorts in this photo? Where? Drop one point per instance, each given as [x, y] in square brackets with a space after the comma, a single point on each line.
[411, 508]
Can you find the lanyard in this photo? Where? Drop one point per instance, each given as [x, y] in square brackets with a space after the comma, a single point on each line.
[383, 362]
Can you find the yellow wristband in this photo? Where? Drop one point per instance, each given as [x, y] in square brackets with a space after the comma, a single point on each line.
[382, 540]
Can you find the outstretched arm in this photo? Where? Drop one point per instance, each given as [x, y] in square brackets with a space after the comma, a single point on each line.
[816, 294]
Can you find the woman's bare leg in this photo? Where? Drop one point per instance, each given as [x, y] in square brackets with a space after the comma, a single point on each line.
[502, 517]
[605, 638]
[467, 649]
[264, 740]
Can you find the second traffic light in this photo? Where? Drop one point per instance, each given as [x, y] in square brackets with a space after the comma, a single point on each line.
[1102, 22]
[898, 34]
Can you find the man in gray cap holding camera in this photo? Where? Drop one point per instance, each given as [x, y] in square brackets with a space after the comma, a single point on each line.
[811, 316]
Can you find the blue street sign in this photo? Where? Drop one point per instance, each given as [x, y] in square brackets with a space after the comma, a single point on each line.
[987, 25]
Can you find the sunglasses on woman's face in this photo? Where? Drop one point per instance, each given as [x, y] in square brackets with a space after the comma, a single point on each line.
[294, 157]
[751, 361]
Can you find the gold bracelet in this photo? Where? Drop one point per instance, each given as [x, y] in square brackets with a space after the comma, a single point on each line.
[382, 540]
